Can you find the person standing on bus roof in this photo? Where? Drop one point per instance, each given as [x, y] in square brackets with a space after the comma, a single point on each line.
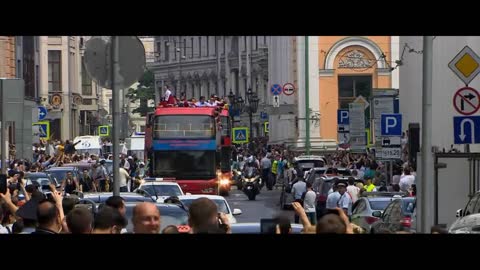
[201, 102]
[168, 93]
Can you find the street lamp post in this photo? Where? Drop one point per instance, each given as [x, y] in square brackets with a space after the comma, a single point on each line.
[236, 105]
[252, 106]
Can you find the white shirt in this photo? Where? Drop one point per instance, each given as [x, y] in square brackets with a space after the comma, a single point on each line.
[3, 230]
[126, 165]
[298, 189]
[168, 93]
[123, 177]
[345, 203]
[406, 182]
[309, 202]
[332, 200]
[353, 191]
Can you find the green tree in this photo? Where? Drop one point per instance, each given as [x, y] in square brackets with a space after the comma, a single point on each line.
[144, 92]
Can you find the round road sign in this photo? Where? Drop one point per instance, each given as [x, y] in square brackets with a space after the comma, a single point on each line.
[466, 101]
[288, 89]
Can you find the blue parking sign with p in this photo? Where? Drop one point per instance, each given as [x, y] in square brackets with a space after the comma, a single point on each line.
[343, 117]
[391, 124]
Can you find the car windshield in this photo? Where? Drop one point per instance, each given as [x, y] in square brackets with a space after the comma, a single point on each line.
[221, 205]
[308, 164]
[169, 216]
[59, 175]
[41, 181]
[379, 205]
[162, 190]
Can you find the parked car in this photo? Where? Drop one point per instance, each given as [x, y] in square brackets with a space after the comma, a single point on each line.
[160, 190]
[43, 180]
[222, 204]
[364, 208]
[60, 173]
[101, 197]
[397, 216]
[303, 164]
[468, 218]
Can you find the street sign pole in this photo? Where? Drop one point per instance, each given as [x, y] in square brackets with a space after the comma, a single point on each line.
[426, 177]
[117, 113]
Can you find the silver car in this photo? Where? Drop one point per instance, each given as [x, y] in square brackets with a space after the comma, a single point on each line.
[368, 210]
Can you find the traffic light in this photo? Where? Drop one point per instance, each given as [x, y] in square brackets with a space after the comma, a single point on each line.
[413, 143]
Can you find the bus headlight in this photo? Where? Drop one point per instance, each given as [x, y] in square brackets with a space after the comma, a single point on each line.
[224, 182]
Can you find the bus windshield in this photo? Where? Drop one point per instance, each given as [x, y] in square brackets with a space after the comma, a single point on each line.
[185, 165]
[183, 126]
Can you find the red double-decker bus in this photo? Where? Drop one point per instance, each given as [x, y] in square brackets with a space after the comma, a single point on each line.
[191, 146]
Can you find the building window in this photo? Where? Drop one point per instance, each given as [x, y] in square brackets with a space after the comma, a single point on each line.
[142, 128]
[199, 47]
[29, 65]
[110, 106]
[54, 71]
[234, 45]
[208, 46]
[245, 38]
[167, 51]
[159, 51]
[175, 50]
[87, 101]
[224, 46]
[184, 49]
[350, 87]
[191, 45]
[86, 82]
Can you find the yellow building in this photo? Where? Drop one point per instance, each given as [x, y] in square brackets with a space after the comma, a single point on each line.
[350, 67]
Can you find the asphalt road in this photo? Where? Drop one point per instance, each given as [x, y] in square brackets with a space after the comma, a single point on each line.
[265, 205]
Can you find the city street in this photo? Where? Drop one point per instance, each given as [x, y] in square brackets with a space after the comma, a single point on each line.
[266, 205]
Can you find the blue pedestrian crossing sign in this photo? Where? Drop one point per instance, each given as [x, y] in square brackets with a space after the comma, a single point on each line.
[43, 129]
[104, 131]
[240, 135]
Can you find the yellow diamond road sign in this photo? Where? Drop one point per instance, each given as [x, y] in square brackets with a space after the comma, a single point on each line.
[466, 65]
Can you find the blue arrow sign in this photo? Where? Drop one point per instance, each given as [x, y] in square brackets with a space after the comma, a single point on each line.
[42, 113]
[466, 129]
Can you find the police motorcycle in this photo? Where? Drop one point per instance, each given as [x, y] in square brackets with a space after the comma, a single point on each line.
[251, 182]
[237, 172]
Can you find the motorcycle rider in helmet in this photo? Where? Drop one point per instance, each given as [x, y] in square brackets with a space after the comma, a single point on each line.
[251, 166]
